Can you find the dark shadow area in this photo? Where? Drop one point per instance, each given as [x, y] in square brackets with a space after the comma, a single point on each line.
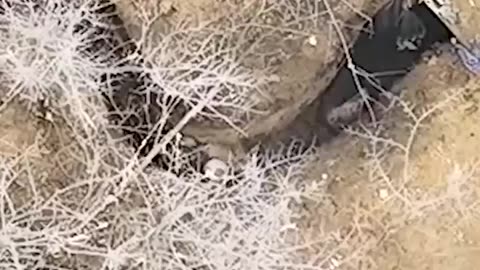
[399, 40]
[133, 108]
[134, 103]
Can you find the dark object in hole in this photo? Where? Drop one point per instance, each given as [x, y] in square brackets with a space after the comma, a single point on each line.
[385, 54]
[401, 36]
[133, 109]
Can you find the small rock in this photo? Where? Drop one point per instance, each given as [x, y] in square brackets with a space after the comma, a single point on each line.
[189, 142]
[383, 193]
[335, 263]
[102, 225]
[49, 117]
[432, 61]
[166, 7]
[312, 40]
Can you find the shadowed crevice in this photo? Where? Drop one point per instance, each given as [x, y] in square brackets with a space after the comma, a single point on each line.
[400, 39]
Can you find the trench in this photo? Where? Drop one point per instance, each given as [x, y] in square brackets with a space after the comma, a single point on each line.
[383, 54]
[380, 63]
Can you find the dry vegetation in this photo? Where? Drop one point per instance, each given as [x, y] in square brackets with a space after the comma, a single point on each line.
[74, 194]
[270, 38]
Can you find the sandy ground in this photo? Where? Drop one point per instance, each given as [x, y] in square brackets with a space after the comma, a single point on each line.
[419, 213]
[394, 211]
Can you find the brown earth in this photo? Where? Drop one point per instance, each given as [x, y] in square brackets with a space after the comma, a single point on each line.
[392, 210]
[409, 211]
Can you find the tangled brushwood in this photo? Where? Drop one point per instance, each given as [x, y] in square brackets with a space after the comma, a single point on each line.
[83, 196]
[98, 171]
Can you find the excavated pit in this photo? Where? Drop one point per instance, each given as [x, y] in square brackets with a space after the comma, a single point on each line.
[374, 54]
